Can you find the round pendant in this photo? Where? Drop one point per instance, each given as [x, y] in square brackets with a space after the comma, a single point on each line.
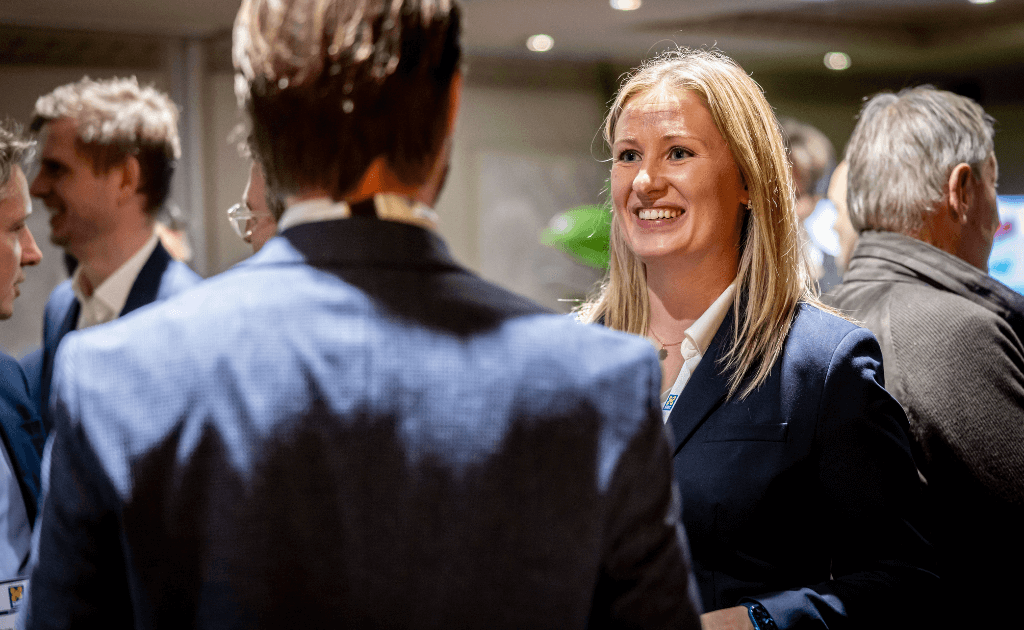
[662, 354]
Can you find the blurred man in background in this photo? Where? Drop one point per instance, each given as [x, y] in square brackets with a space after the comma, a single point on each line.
[842, 226]
[922, 194]
[105, 171]
[349, 429]
[21, 432]
[255, 218]
[812, 157]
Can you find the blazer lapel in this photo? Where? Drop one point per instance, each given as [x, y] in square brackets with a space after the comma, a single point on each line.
[705, 391]
[147, 284]
[22, 434]
[49, 353]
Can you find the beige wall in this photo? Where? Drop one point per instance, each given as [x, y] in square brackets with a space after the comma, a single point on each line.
[20, 86]
[544, 135]
[537, 124]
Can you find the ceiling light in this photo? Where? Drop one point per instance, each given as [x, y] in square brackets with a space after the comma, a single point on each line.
[837, 61]
[982, 1]
[540, 43]
[625, 5]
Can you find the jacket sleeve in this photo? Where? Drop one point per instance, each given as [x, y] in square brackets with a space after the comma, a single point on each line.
[645, 580]
[883, 569]
[78, 577]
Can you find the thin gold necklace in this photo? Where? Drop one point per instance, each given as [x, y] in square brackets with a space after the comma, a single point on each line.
[663, 353]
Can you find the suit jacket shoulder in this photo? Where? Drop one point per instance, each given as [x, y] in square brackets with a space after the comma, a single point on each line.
[160, 278]
[353, 408]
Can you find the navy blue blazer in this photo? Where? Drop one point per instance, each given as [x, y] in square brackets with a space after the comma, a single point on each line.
[21, 431]
[160, 278]
[349, 429]
[804, 496]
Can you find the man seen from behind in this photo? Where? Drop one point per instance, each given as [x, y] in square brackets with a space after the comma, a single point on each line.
[348, 429]
[922, 192]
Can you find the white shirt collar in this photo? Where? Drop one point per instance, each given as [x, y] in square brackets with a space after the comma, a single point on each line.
[389, 208]
[702, 332]
[696, 340]
[108, 300]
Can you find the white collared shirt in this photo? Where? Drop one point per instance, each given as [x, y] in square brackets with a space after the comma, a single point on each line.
[695, 343]
[108, 300]
[389, 208]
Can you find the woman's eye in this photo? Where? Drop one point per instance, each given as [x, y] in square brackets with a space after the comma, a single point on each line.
[678, 153]
[629, 155]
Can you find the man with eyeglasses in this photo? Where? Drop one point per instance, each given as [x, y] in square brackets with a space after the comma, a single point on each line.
[255, 219]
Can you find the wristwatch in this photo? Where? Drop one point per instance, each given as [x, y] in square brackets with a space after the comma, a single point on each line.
[759, 616]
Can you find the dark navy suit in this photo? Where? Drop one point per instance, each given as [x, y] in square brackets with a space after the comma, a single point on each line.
[160, 278]
[804, 496]
[21, 431]
[349, 429]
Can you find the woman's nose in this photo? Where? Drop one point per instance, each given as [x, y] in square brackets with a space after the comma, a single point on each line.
[648, 180]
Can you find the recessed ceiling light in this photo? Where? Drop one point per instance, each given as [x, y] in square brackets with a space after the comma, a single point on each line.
[625, 5]
[540, 43]
[837, 61]
[982, 1]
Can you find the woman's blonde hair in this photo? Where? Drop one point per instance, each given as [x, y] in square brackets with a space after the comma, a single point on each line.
[772, 276]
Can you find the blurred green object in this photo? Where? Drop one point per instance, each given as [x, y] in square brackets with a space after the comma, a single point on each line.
[583, 233]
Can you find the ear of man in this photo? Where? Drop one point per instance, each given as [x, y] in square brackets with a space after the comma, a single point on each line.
[943, 227]
[439, 170]
[380, 178]
[128, 178]
[961, 189]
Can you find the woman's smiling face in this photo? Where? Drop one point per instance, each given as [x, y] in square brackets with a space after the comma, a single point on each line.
[675, 186]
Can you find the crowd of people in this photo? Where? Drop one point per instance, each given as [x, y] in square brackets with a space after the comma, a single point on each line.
[350, 428]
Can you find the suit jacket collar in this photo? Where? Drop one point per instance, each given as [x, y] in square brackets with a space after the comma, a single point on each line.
[705, 391]
[144, 291]
[891, 257]
[147, 283]
[358, 241]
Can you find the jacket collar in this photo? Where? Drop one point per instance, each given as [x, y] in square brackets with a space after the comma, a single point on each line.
[357, 241]
[705, 391]
[147, 283]
[892, 257]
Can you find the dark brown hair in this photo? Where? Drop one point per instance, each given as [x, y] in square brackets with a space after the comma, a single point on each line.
[330, 85]
[116, 118]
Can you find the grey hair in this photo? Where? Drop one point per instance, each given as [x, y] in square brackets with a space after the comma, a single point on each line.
[14, 150]
[903, 150]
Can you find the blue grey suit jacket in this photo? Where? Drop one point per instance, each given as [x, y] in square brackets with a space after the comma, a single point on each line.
[20, 431]
[804, 495]
[160, 278]
[351, 430]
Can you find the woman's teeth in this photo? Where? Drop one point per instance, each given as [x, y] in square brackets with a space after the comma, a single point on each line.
[650, 215]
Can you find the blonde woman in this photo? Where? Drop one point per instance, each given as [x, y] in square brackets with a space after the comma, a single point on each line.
[798, 484]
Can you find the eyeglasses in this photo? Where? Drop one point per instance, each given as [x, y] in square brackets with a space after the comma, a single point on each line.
[239, 216]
